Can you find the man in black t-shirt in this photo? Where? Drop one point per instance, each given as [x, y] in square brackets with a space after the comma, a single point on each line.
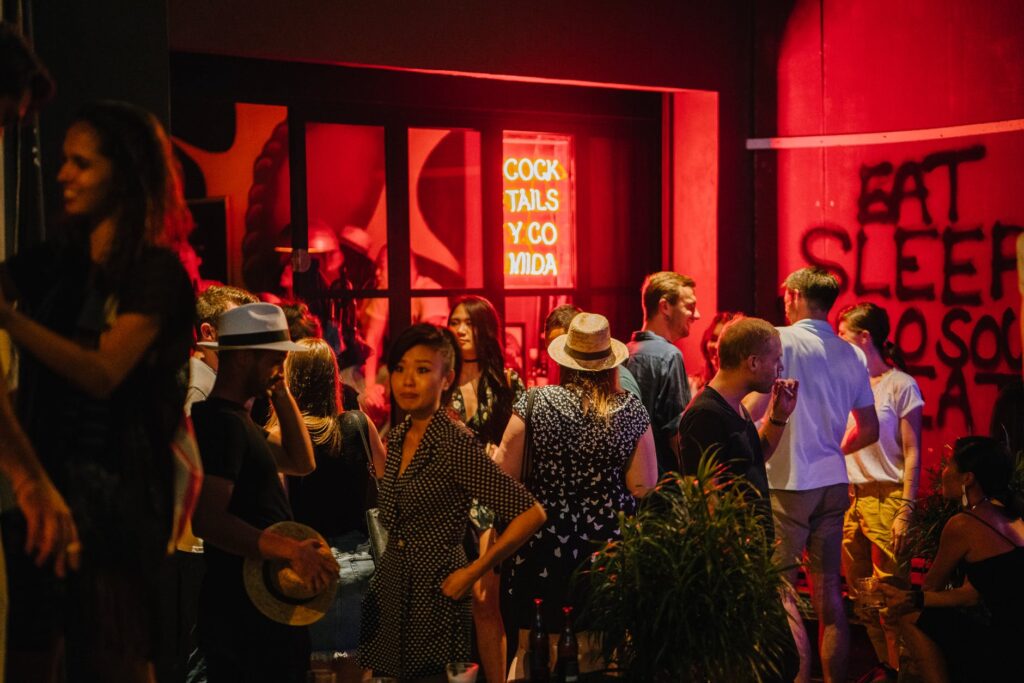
[750, 355]
[242, 495]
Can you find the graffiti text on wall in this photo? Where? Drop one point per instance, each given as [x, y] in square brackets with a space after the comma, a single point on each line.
[965, 335]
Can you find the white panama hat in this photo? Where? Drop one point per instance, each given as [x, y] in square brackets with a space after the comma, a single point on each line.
[257, 326]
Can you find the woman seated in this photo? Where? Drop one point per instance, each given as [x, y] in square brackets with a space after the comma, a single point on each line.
[987, 539]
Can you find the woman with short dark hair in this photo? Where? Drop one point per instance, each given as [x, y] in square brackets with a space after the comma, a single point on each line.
[416, 615]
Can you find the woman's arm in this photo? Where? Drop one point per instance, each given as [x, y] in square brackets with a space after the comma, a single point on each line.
[910, 434]
[642, 470]
[97, 372]
[509, 455]
[519, 529]
[50, 529]
[953, 546]
[292, 448]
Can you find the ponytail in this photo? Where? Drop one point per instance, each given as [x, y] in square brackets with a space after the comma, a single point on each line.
[892, 355]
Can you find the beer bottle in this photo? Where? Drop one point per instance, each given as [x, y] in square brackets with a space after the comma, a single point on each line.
[567, 668]
[540, 656]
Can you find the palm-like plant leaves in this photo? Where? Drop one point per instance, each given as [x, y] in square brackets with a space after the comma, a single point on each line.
[690, 591]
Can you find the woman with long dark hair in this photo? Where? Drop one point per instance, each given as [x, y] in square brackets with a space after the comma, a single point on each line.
[709, 350]
[986, 540]
[417, 616]
[104, 323]
[483, 400]
[592, 455]
[883, 476]
[333, 498]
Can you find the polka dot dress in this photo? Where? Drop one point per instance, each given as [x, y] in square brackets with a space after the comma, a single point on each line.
[579, 465]
[409, 627]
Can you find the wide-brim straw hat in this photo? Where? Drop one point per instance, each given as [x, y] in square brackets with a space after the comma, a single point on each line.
[588, 345]
[259, 326]
[277, 591]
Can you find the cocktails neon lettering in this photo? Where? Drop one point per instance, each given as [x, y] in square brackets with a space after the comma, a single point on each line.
[536, 232]
[525, 263]
[530, 200]
[545, 170]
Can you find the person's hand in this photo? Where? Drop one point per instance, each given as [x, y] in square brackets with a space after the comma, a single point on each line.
[783, 399]
[900, 527]
[314, 563]
[51, 529]
[896, 599]
[458, 583]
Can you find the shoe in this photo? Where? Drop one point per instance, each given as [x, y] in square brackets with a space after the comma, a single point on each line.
[880, 673]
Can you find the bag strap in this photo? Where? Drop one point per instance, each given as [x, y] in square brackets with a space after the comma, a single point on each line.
[361, 427]
[527, 470]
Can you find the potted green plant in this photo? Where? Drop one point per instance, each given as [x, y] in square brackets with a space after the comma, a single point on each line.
[690, 591]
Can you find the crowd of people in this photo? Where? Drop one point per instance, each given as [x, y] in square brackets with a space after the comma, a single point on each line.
[492, 495]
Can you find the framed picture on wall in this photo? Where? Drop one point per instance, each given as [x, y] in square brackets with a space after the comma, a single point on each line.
[515, 348]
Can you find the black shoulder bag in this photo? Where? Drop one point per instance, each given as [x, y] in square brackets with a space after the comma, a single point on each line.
[374, 527]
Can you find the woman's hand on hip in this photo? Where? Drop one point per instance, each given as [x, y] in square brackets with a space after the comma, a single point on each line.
[458, 583]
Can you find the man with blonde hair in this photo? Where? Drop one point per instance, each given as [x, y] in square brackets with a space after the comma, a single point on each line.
[670, 306]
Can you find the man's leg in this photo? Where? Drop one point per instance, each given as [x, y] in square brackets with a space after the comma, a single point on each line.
[789, 511]
[858, 554]
[824, 550]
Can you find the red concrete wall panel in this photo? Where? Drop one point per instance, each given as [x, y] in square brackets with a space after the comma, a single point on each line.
[925, 229]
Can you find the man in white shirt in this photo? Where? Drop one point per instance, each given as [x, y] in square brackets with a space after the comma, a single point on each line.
[807, 474]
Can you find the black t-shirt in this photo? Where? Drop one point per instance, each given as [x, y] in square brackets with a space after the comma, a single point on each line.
[710, 421]
[234, 448]
[109, 456]
[333, 498]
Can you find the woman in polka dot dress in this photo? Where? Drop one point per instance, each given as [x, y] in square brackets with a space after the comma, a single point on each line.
[416, 615]
[593, 455]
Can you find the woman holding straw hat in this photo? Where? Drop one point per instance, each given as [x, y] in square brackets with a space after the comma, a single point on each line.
[592, 455]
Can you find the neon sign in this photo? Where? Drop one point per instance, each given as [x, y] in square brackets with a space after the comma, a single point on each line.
[539, 225]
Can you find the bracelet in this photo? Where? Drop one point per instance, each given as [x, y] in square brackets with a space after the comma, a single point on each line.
[778, 423]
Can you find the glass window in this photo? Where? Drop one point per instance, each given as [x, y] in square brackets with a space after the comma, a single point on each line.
[346, 201]
[445, 213]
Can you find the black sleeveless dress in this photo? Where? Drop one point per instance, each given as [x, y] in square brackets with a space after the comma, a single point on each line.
[975, 650]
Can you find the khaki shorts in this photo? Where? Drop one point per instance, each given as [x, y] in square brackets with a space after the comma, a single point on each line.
[810, 520]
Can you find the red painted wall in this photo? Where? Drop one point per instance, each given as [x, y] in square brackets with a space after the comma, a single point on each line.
[925, 229]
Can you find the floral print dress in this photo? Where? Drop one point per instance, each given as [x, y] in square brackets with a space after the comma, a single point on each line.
[578, 475]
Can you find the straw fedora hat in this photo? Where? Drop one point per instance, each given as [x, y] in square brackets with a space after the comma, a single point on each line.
[588, 345]
[278, 592]
[253, 326]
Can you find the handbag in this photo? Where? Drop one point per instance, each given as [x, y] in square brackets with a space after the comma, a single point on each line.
[374, 527]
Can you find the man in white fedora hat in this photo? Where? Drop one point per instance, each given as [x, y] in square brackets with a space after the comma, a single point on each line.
[242, 496]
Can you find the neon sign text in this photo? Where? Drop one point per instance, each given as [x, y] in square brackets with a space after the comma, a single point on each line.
[545, 170]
